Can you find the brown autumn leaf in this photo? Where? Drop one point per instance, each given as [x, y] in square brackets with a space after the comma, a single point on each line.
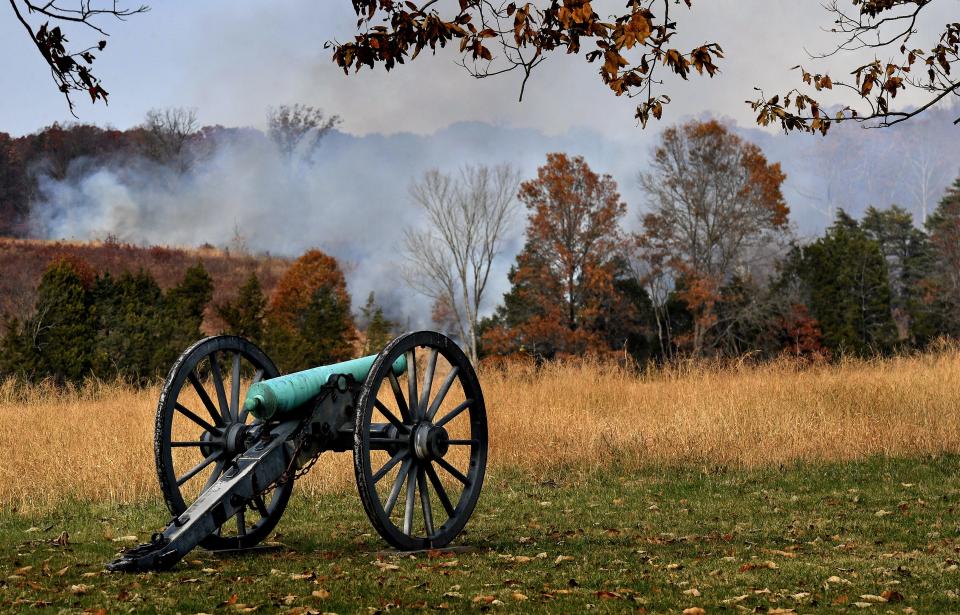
[483, 599]
[609, 595]
[694, 610]
[892, 595]
[79, 589]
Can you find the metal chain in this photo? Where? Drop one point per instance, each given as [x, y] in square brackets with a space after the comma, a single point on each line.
[290, 473]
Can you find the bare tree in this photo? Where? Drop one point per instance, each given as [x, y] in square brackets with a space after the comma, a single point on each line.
[169, 132]
[715, 213]
[294, 127]
[467, 217]
[70, 69]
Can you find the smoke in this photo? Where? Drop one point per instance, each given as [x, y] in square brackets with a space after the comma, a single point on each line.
[349, 196]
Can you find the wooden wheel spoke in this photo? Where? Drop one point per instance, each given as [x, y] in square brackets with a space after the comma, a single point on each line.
[218, 385]
[397, 484]
[428, 381]
[453, 413]
[193, 417]
[235, 387]
[442, 393]
[425, 501]
[202, 393]
[398, 395]
[397, 458]
[197, 468]
[411, 499]
[415, 410]
[390, 416]
[457, 474]
[441, 492]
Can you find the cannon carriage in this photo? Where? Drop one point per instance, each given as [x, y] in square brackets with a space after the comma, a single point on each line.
[232, 435]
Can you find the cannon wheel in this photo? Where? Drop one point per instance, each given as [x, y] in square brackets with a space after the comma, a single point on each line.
[200, 405]
[434, 441]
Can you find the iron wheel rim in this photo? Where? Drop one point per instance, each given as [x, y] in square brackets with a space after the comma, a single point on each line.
[423, 474]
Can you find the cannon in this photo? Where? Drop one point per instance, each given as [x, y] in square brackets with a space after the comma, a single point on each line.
[232, 435]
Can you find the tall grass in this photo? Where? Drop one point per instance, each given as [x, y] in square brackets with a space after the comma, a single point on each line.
[95, 441]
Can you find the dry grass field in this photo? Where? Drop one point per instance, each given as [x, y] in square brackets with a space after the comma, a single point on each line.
[95, 442]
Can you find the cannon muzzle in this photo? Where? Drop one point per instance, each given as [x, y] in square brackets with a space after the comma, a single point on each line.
[286, 393]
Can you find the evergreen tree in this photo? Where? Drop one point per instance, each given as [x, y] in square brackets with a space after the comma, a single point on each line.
[943, 226]
[846, 283]
[378, 330]
[908, 256]
[244, 315]
[185, 304]
[132, 328]
[57, 340]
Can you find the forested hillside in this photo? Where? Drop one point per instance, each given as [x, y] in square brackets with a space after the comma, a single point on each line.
[23, 262]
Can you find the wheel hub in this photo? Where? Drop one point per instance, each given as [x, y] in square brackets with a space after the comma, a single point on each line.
[234, 438]
[430, 441]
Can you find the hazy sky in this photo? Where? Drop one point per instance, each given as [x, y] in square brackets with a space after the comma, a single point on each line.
[232, 59]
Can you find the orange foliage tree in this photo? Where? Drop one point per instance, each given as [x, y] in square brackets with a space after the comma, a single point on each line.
[716, 208]
[308, 318]
[564, 281]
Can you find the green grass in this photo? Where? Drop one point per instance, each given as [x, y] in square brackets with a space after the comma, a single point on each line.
[659, 540]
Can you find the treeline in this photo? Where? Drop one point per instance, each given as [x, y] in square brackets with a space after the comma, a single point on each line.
[715, 269]
[93, 324]
[171, 139]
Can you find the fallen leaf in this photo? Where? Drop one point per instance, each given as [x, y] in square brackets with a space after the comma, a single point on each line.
[518, 596]
[863, 605]
[482, 599]
[693, 591]
[892, 595]
[562, 558]
[301, 577]
[881, 513]
[23, 570]
[674, 566]
[79, 589]
[320, 593]
[125, 539]
[694, 610]
[872, 598]
[800, 595]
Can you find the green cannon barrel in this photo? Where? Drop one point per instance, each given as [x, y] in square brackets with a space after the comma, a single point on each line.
[286, 393]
